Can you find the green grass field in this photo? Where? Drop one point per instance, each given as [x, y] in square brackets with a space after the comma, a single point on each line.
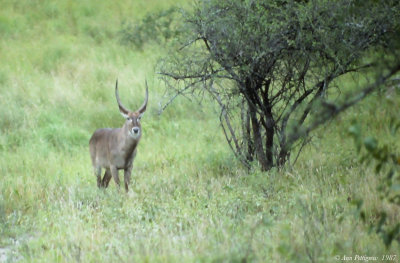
[190, 201]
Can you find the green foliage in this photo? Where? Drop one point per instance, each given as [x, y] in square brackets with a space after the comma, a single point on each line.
[387, 168]
[158, 27]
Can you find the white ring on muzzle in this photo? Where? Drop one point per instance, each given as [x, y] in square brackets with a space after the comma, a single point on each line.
[134, 134]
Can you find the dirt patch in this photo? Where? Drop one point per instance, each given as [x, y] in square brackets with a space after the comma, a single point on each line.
[10, 253]
[4, 252]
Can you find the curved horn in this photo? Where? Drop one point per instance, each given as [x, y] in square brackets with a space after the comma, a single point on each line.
[124, 111]
[143, 107]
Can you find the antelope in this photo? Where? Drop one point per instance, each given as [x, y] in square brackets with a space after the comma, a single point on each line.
[115, 149]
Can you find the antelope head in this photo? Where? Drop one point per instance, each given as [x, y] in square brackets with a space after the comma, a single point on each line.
[132, 123]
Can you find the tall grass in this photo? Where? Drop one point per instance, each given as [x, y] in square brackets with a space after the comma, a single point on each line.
[190, 200]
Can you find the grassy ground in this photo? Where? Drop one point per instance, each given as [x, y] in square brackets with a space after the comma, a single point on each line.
[190, 200]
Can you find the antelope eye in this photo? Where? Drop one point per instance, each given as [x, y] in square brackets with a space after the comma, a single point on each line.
[128, 118]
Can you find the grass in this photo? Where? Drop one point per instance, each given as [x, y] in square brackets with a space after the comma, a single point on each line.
[190, 200]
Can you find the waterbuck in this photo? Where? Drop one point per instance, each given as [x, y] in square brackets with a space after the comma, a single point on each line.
[115, 149]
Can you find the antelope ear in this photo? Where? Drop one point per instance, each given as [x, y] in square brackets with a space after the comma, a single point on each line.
[126, 116]
[140, 115]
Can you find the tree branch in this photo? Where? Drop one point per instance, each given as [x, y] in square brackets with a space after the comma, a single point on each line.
[330, 111]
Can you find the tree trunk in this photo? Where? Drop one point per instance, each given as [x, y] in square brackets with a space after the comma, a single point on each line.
[246, 130]
[269, 124]
[258, 144]
[283, 157]
[269, 143]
